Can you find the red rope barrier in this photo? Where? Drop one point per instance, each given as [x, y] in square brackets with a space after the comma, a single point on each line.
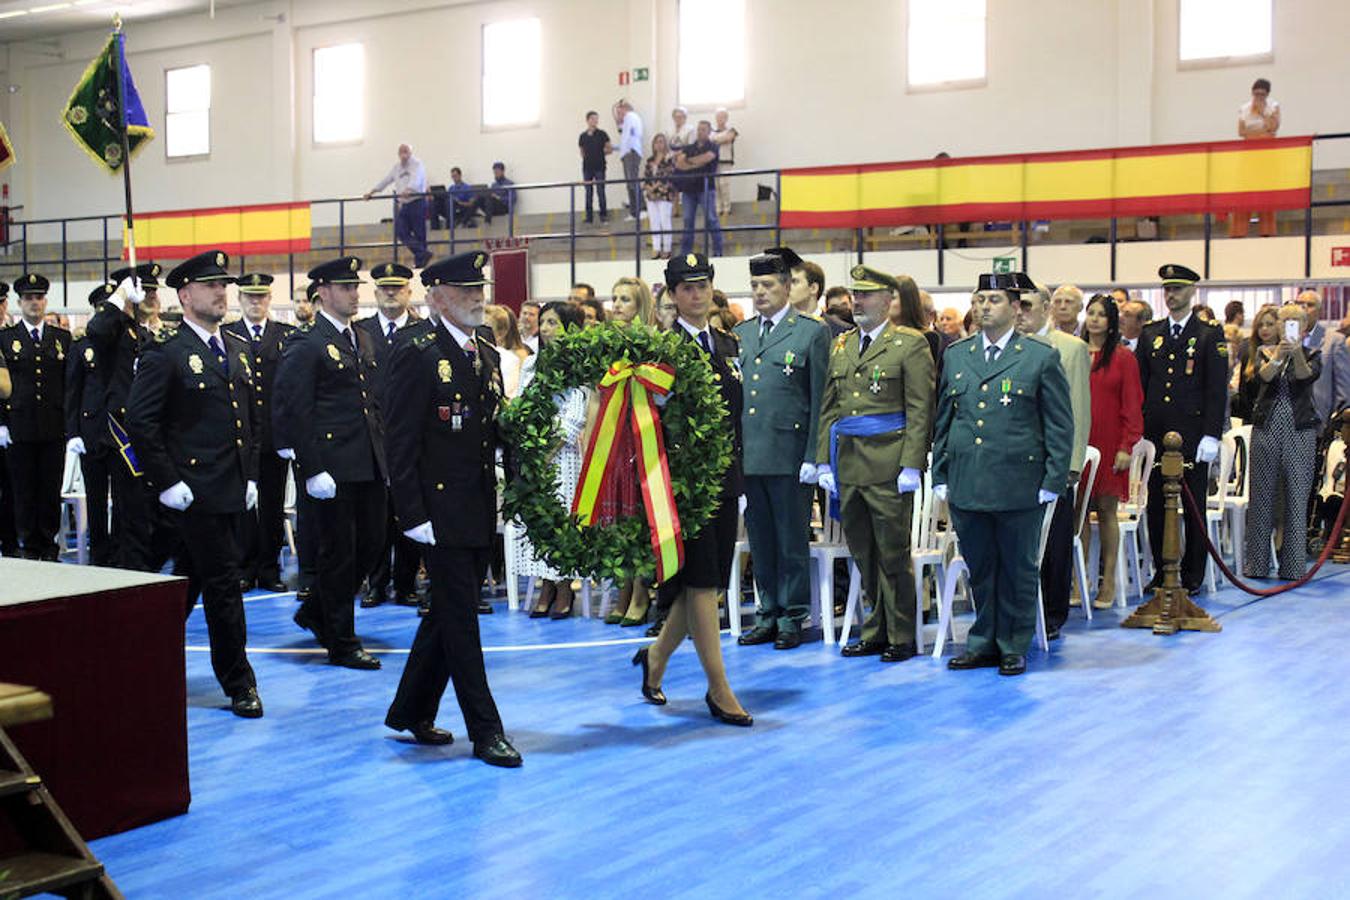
[1331, 543]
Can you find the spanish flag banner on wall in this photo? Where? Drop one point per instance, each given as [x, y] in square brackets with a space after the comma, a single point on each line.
[1085, 184]
[271, 228]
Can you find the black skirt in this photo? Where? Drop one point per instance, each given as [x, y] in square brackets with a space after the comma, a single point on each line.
[707, 558]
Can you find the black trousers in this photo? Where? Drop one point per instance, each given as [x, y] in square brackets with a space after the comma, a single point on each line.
[9, 535]
[1193, 548]
[262, 527]
[351, 533]
[306, 536]
[35, 470]
[595, 183]
[94, 468]
[447, 648]
[406, 555]
[208, 555]
[1057, 564]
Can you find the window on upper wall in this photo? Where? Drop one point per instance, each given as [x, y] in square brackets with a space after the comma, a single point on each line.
[187, 111]
[946, 43]
[339, 93]
[1217, 31]
[712, 52]
[511, 73]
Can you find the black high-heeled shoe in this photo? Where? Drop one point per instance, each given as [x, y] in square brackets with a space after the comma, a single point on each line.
[566, 611]
[745, 720]
[547, 591]
[653, 695]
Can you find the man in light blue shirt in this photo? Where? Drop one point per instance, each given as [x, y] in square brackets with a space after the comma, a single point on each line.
[409, 178]
[630, 153]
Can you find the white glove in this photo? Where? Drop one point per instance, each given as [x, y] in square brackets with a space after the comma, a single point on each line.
[909, 480]
[75, 445]
[740, 505]
[286, 453]
[940, 492]
[1208, 451]
[251, 495]
[1043, 497]
[178, 497]
[808, 473]
[422, 534]
[825, 478]
[321, 486]
[130, 289]
[5, 439]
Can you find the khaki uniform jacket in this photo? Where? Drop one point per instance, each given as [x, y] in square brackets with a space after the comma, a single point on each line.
[1076, 360]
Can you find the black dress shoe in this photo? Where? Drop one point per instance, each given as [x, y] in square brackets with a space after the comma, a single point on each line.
[760, 634]
[484, 607]
[653, 695]
[863, 648]
[973, 661]
[410, 598]
[371, 598]
[898, 652]
[424, 607]
[357, 659]
[304, 595]
[744, 720]
[1012, 664]
[788, 640]
[497, 751]
[245, 585]
[272, 585]
[306, 621]
[246, 704]
[426, 732]
[1052, 633]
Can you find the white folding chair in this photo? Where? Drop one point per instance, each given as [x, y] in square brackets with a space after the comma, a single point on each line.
[1216, 507]
[1091, 462]
[74, 503]
[735, 608]
[1049, 514]
[830, 547]
[955, 574]
[1235, 503]
[288, 500]
[1133, 518]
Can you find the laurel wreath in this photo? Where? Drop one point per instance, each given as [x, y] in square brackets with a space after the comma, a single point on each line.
[698, 448]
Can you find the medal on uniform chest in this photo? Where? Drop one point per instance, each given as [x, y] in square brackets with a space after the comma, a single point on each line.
[788, 359]
[1190, 357]
[1006, 387]
[1190, 347]
[1158, 342]
[443, 370]
[195, 364]
[456, 416]
[875, 386]
[333, 352]
[17, 346]
[88, 354]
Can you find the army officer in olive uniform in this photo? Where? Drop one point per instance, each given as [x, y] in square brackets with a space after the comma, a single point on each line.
[783, 360]
[190, 416]
[873, 448]
[1001, 450]
[32, 420]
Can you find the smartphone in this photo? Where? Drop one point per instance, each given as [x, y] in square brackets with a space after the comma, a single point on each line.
[1291, 330]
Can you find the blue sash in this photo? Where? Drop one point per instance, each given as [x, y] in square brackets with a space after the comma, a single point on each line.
[123, 442]
[858, 426]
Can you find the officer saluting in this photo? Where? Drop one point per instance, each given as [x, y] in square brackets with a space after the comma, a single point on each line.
[783, 360]
[263, 533]
[1183, 365]
[874, 426]
[190, 418]
[332, 417]
[1001, 450]
[442, 441]
[32, 420]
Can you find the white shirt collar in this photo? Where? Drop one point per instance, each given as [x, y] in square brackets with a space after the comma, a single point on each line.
[41, 327]
[1183, 323]
[460, 337]
[261, 326]
[777, 317]
[337, 323]
[1001, 343]
[875, 332]
[1045, 330]
[203, 333]
[695, 332]
[398, 323]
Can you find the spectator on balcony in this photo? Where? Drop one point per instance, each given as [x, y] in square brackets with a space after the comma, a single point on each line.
[463, 199]
[409, 178]
[724, 136]
[697, 163]
[1258, 120]
[659, 189]
[683, 132]
[594, 146]
[630, 153]
[1066, 304]
[499, 199]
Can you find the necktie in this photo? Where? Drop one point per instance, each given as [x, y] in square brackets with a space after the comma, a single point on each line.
[765, 326]
[1176, 330]
[219, 351]
[351, 338]
[257, 332]
[991, 354]
[37, 338]
[389, 335]
[704, 342]
[866, 342]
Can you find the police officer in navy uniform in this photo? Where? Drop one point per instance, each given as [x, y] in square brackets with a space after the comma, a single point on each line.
[190, 418]
[32, 420]
[117, 339]
[393, 297]
[263, 533]
[1183, 365]
[86, 431]
[306, 529]
[332, 417]
[442, 441]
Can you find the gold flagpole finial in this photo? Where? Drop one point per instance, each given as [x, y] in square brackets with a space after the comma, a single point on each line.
[117, 23]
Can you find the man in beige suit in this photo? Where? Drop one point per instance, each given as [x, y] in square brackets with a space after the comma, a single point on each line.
[1074, 359]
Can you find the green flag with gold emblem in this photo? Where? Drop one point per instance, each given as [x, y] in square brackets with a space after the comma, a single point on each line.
[94, 117]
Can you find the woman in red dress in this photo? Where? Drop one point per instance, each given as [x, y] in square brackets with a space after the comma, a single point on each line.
[1117, 424]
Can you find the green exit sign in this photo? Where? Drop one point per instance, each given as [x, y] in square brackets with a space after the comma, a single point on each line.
[640, 74]
[1003, 265]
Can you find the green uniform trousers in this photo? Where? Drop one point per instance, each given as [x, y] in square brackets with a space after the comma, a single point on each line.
[777, 523]
[1000, 550]
[876, 521]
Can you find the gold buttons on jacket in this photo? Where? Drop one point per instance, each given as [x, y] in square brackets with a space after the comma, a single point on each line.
[984, 387]
[980, 404]
[751, 410]
[330, 435]
[440, 486]
[979, 440]
[755, 377]
[979, 423]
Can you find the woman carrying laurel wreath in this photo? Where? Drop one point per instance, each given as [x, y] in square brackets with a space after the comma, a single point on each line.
[555, 590]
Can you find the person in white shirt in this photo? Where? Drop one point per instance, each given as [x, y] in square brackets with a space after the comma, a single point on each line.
[630, 153]
[724, 136]
[409, 178]
[1258, 120]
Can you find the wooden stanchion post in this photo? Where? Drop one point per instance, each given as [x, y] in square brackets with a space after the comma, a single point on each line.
[1171, 609]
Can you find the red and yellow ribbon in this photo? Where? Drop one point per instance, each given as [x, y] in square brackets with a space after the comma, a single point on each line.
[623, 385]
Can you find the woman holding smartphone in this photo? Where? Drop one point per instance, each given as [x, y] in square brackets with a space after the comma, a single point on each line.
[1277, 384]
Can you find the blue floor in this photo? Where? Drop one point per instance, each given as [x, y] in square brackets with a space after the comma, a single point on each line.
[1124, 765]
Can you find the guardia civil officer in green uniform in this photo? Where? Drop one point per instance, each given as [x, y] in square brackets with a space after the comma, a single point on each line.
[1001, 450]
[872, 449]
[783, 361]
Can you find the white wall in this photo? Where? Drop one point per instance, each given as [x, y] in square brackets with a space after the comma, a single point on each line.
[825, 85]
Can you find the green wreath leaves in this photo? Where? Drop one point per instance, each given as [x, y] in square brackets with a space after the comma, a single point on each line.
[698, 448]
